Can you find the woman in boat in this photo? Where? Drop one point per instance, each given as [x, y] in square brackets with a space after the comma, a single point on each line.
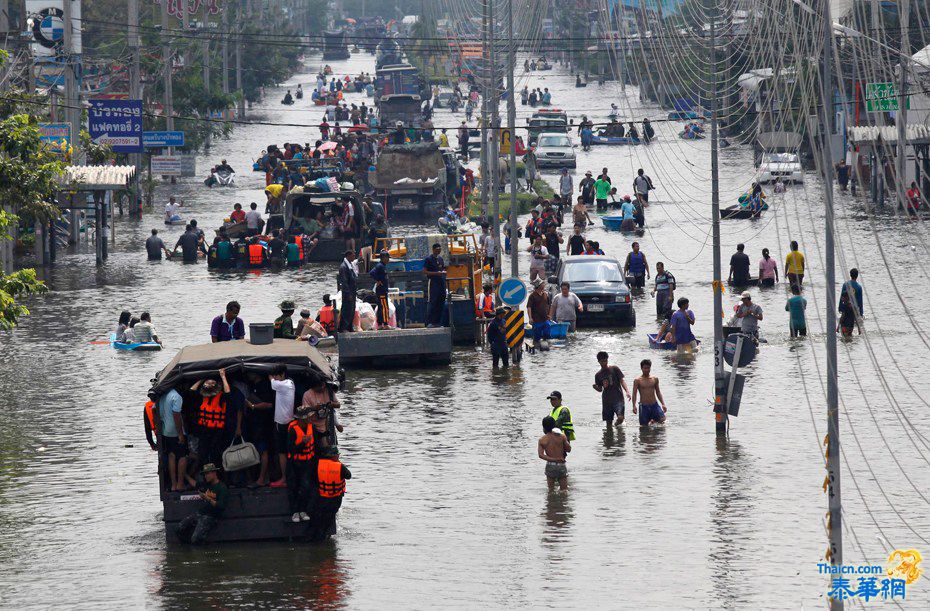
[123, 324]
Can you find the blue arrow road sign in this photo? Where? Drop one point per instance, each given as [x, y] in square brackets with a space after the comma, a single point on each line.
[162, 139]
[117, 123]
[512, 291]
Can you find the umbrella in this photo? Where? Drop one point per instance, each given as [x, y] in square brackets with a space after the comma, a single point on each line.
[327, 146]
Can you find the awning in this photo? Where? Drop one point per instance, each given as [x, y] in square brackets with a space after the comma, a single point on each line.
[915, 133]
[97, 177]
[205, 360]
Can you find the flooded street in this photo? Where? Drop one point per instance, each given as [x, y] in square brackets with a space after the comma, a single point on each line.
[448, 503]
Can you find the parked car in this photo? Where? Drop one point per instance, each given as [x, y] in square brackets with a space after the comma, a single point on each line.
[599, 283]
[555, 150]
[786, 166]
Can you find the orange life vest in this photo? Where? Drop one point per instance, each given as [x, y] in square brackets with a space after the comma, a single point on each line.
[256, 254]
[304, 453]
[300, 247]
[150, 413]
[328, 318]
[329, 474]
[485, 304]
[212, 412]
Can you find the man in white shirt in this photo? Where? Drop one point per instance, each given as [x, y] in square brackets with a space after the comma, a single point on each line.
[538, 257]
[144, 331]
[283, 414]
[253, 220]
[566, 188]
[642, 184]
[565, 307]
[171, 210]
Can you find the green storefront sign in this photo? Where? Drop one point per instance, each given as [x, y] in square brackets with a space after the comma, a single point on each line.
[882, 97]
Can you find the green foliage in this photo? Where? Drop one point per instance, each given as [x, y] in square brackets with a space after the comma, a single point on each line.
[29, 170]
[97, 154]
[525, 201]
[13, 287]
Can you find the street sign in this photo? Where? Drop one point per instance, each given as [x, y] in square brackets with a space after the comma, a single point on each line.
[117, 123]
[881, 97]
[162, 139]
[166, 165]
[736, 394]
[55, 133]
[515, 328]
[512, 291]
[743, 352]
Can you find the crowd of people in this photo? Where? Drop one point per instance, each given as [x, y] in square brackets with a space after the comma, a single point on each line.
[291, 422]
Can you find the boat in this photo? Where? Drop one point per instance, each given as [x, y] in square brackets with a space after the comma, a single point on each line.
[175, 221]
[600, 138]
[740, 212]
[134, 346]
[225, 179]
[299, 94]
[690, 135]
[657, 344]
[252, 513]
[684, 115]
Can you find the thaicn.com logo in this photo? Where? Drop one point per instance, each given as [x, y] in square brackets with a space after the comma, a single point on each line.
[873, 582]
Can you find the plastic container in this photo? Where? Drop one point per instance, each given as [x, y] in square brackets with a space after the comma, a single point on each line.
[261, 333]
[558, 330]
[415, 266]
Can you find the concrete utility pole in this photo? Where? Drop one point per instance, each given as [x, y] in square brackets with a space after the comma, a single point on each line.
[720, 381]
[225, 49]
[512, 127]
[166, 61]
[835, 524]
[135, 92]
[72, 95]
[240, 115]
[485, 94]
[494, 136]
[904, 14]
[205, 29]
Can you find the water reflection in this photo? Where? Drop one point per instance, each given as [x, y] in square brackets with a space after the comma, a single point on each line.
[614, 441]
[557, 523]
[311, 576]
[732, 524]
[651, 439]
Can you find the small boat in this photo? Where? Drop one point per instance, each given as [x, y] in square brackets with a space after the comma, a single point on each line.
[613, 140]
[691, 135]
[684, 115]
[175, 221]
[656, 343]
[300, 94]
[225, 179]
[615, 223]
[740, 212]
[135, 347]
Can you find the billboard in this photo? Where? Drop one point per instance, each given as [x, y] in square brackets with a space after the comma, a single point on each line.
[117, 123]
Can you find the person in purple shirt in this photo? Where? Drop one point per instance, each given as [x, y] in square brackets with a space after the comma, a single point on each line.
[228, 326]
[680, 325]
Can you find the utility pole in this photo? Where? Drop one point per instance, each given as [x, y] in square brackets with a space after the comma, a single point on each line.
[512, 127]
[835, 520]
[485, 89]
[166, 60]
[904, 14]
[721, 418]
[135, 93]
[225, 48]
[494, 136]
[240, 115]
[205, 29]
[72, 95]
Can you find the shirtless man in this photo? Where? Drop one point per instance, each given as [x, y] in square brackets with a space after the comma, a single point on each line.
[554, 448]
[648, 389]
[580, 214]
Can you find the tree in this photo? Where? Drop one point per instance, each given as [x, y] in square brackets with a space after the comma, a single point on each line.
[16, 285]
